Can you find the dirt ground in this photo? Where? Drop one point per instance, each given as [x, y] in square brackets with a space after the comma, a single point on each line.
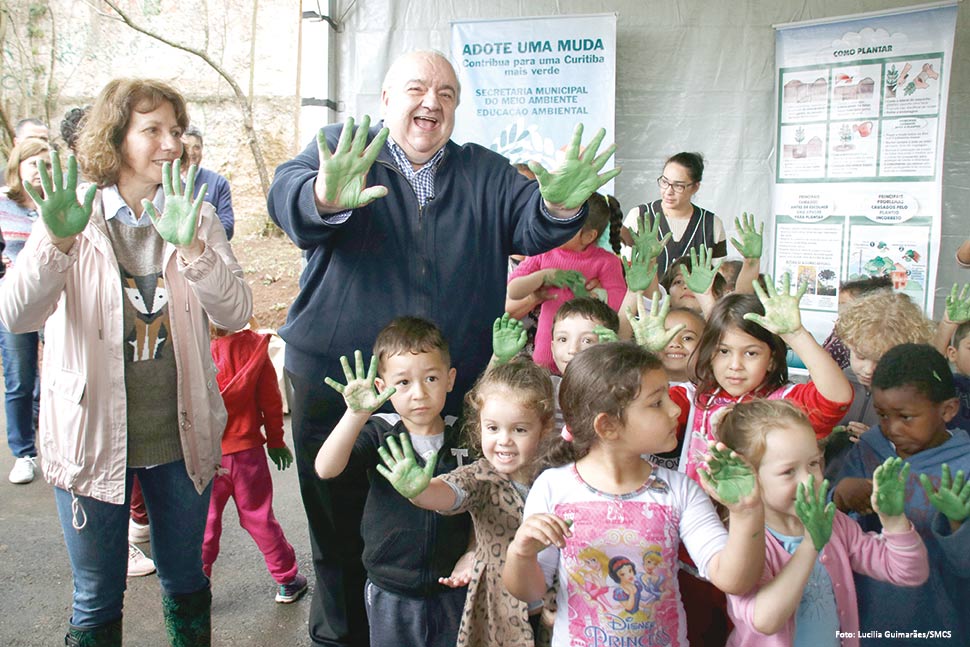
[272, 267]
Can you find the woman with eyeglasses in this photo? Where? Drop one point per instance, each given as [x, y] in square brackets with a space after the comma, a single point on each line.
[690, 226]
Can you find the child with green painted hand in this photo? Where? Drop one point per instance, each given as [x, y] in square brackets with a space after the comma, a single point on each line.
[509, 413]
[807, 594]
[254, 405]
[602, 507]
[914, 395]
[577, 268]
[409, 554]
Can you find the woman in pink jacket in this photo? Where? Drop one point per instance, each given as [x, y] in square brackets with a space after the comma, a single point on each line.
[806, 595]
[125, 274]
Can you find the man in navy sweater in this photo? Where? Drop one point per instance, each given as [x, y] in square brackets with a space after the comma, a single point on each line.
[398, 221]
[217, 194]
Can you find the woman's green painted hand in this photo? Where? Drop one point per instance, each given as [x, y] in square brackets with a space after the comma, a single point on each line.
[63, 215]
[179, 219]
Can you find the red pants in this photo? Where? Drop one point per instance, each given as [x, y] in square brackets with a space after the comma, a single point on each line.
[249, 483]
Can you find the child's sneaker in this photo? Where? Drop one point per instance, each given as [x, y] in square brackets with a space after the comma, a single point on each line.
[138, 533]
[138, 563]
[291, 592]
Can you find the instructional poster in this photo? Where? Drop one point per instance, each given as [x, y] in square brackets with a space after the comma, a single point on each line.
[526, 83]
[861, 113]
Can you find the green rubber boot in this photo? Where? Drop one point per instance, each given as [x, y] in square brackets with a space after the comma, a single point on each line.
[108, 635]
[188, 619]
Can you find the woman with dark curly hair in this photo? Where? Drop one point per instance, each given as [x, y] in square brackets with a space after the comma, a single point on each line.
[126, 273]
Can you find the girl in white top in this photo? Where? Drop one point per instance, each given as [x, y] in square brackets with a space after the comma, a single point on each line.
[605, 526]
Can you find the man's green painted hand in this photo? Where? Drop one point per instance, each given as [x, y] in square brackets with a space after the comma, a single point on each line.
[402, 470]
[728, 477]
[508, 338]
[282, 456]
[63, 215]
[751, 241]
[816, 515]
[605, 335]
[700, 277]
[570, 185]
[640, 273]
[649, 329]
[342, 180]
[177, 222]
[647, 238]
[782, 315]
[571, 279]
[953, 497]
[889, 487]
[359, 393]
[958, 304]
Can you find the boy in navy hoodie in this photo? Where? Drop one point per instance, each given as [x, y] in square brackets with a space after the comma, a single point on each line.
[408, 551]
[914, 396]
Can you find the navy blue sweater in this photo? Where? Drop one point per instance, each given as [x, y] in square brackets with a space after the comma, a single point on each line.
[446, 262]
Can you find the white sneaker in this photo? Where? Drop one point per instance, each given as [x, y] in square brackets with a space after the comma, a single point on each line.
[23, 470]
[138, 533]
[138, 563]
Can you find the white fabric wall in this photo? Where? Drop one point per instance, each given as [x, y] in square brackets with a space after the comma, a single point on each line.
[694, 75]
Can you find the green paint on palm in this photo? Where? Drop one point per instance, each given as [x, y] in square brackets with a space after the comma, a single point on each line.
[728, 475]
[61, 212]
[953, 497]
[359, 393]
[816, 515]
[889, 485]
[958, 304]
[345, 170]
[401, 467]
[570, 279]
[178, 220]
[782, 314]
[577, 178]
[700, 277]
[508, 338]
[649, 329]
[751, 240]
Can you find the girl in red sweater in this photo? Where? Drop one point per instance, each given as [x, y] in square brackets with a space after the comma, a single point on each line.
[252, 397]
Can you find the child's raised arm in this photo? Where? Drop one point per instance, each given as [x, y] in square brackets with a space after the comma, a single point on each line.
[412, 481]
[362, 400]
[783, 318]
[777, 600]
[649, 329]
[730, 480]
[699, 279]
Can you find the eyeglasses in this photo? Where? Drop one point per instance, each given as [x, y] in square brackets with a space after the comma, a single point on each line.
[678, 187]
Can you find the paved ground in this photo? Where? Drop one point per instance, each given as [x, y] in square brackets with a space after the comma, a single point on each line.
[35, 597]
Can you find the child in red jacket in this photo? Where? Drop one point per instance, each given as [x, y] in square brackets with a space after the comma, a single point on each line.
[251, 394]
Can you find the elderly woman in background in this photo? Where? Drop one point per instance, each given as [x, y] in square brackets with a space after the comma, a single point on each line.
[125, 274]
[19, 351]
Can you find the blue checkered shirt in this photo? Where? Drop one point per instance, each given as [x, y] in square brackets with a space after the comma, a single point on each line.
[421, 180]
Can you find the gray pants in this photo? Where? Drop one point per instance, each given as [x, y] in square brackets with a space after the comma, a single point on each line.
[400, 621]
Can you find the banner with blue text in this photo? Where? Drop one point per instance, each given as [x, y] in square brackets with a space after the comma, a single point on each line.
[861, 112]
[526, 83]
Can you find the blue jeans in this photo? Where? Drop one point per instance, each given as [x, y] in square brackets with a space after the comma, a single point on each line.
[99, 550]
[22, 387]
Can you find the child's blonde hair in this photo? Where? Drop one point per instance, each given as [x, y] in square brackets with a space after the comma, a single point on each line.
[874, 323]
[522, 380]
[744, 428]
